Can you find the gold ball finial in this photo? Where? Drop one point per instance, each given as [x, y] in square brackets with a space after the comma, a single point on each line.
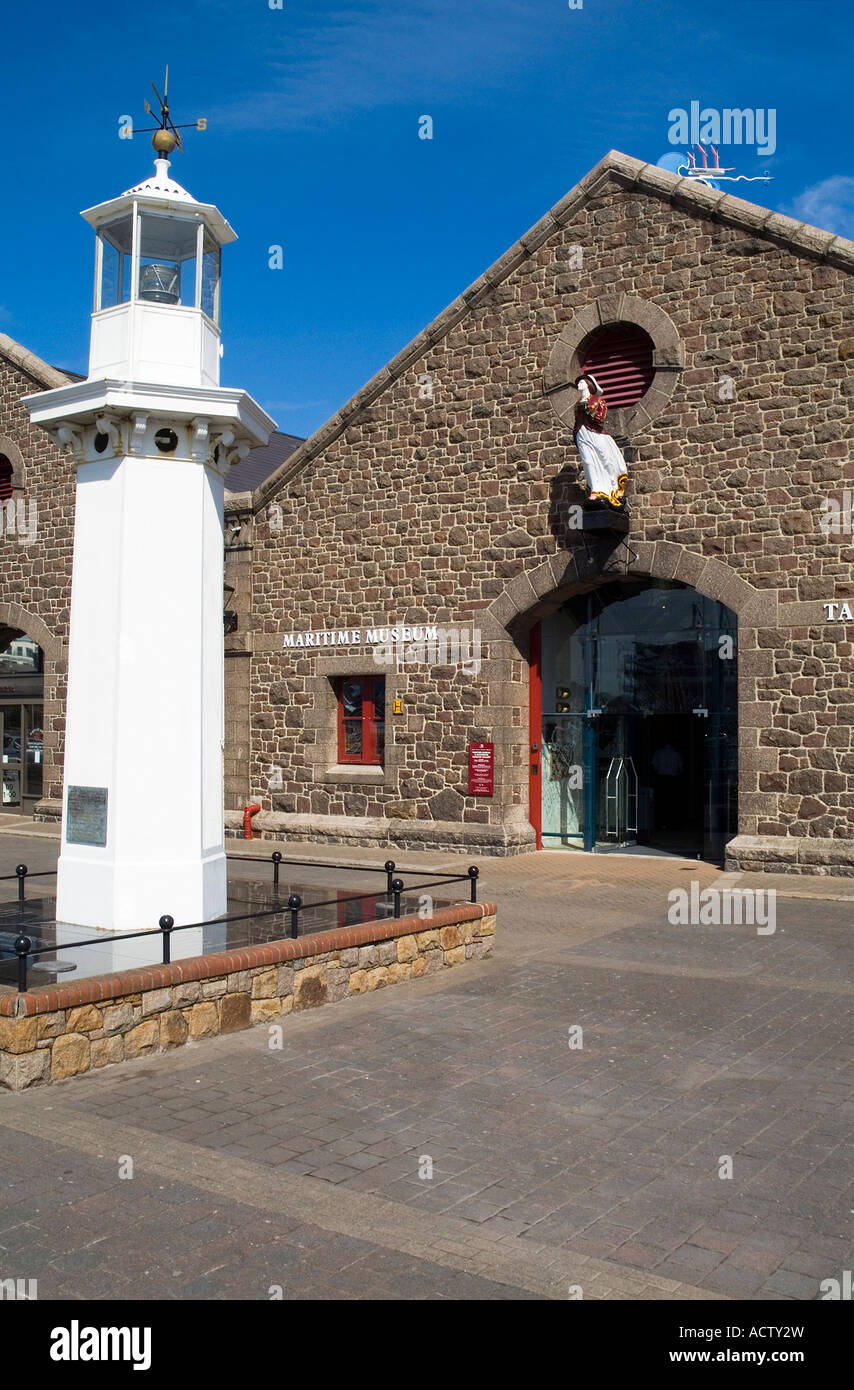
[163, 142]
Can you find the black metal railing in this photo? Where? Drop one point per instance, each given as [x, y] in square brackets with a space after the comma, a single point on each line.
[25, 949]
[22, 873]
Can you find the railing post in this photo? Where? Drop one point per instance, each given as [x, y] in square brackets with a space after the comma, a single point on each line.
[474, 871]
[389, 871]
[294, 903]
[21, 870]
[166, 924]
[23, 946]
[397, 889]
[277, 859]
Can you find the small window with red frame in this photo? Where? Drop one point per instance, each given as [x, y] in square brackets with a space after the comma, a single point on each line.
[6, 475]
[361, 720]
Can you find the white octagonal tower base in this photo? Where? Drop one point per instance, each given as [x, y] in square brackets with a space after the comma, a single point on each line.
[143, 801]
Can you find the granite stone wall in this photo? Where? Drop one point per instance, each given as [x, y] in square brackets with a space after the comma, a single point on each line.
[35, 564]
[454, 508]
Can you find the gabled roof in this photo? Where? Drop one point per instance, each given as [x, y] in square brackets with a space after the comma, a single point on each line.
[710, 203]
[258, 465]
[32, 365]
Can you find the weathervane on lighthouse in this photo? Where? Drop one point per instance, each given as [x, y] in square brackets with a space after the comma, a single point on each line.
[166, 137]
[152, 435]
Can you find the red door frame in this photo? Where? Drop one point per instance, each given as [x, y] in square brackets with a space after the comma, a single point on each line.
[535, 732]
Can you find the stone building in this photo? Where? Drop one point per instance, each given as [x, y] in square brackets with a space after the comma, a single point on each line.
[430, 644]
[36, 541]
[437, 650]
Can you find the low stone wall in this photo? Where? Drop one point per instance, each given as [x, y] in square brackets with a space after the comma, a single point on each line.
[790, 854]
[454, 837]
[58, 1031]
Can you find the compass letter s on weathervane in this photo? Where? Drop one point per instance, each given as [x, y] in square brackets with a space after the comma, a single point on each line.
[165, 137]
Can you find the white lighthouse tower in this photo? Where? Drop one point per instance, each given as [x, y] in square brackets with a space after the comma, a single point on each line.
[152, 435]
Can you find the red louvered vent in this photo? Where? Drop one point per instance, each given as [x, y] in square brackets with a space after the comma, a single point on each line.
[5, 478]
[620, 358]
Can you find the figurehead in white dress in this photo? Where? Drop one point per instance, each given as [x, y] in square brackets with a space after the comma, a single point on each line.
[604, 465]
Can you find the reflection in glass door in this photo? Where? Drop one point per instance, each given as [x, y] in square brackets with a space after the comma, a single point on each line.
[23, 753]
[33, 750]
[639, 720]
[563, 778]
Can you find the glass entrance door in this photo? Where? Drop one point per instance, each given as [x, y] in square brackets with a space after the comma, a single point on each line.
[12, 761]
[563, 778]
[23, 755]
[639, 739]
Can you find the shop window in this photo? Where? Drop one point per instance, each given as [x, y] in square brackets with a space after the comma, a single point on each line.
[361, 720]
[619, 355]
[21, 721]
[6, 475]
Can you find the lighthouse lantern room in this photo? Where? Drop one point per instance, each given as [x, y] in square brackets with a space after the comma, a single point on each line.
[157, 284]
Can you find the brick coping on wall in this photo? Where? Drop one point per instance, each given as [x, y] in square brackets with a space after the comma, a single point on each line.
[51, 998]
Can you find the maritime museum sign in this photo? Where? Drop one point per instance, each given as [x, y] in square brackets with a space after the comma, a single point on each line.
[357, 637]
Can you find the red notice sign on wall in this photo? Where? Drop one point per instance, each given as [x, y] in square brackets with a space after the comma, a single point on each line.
[481, 769]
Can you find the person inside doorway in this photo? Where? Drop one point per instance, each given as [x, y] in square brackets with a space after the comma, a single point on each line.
[667, 766]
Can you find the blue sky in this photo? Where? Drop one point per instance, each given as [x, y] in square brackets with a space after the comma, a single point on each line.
[312, 144]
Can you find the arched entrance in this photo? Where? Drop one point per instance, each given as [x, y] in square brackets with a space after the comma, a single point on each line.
[21, 722]
[634, 720]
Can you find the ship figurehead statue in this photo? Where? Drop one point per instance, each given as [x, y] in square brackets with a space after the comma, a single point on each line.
[604, 466]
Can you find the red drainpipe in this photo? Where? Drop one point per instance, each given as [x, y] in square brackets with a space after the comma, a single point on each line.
[248, 813]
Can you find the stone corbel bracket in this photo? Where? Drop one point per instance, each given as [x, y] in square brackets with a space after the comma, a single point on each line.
[225, 450]
[564, 364]
[70, 436]
[139, 427]
[106, 424]
[200, 440]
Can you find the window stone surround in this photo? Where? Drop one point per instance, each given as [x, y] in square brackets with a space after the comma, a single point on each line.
[323, 717]
[564, 364]
[16, 458]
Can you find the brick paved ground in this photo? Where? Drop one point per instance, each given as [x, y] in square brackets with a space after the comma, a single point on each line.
[552, 1165]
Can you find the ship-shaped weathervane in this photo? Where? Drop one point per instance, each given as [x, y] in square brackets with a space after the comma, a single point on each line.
[165, 137]
[706, 172]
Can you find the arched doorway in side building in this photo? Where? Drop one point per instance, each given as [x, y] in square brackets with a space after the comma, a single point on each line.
[21, 722]
[634, 721]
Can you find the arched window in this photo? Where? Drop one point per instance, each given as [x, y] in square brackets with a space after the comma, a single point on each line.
[6, 474]
[619, 355]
